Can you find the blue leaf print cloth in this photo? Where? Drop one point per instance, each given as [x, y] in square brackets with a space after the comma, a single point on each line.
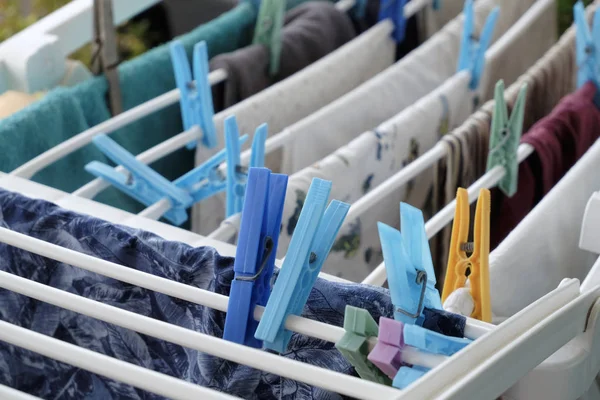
[200, 267]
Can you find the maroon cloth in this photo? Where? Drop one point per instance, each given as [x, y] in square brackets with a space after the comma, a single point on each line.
[559, 140]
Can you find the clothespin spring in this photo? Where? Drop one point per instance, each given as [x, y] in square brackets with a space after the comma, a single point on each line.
[422, 280]
[263, 264]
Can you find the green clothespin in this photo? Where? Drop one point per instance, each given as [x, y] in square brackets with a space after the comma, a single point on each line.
[505, 137]
[268, 30]
[354, 346]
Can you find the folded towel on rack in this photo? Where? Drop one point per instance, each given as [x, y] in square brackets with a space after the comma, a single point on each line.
[200, 267]
[311, 31]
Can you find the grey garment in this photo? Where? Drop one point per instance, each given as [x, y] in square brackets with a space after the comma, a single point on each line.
[311, 31]
[185, 15]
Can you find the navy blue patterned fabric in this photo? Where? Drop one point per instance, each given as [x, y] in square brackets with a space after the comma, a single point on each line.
[200, 267]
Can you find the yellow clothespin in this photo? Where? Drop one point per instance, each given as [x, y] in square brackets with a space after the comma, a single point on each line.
[476, 266]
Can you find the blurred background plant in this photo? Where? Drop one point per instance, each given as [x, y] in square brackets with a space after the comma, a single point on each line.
[146, 30]
[134, 37]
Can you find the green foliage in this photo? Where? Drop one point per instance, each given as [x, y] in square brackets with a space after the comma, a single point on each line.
[565, 13]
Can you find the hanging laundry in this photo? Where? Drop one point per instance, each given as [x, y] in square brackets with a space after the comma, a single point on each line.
[64, 113]
[296, 97]
[311, 31]
[401, 85]
[559, 141]
[200, 267]
[375, 156]
[551, 78]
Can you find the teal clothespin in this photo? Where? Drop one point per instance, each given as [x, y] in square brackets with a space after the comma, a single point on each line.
[354, 346]
[472, 49]
[409, 266]
[311, 242]
[268, 30]
[505, 137]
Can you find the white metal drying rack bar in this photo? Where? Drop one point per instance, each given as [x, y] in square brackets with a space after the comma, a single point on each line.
[12, 394]
[490, 179]
[109, 367]
[90, 190]
[206, 298]
[35, 57]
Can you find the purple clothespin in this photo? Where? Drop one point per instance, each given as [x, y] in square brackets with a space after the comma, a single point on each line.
[387, 353]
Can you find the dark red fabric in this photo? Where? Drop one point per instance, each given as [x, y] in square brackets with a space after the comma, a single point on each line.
[559, 140]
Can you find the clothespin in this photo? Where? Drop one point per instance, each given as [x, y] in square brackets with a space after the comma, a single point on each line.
[587, 48]
[407, 375]
[409, 266]
[476, 266]
[255, 254]
[505, 136]
[234, 182]
[394, 10]
[472, 49]
[268, 30]
[105, 57]
[394, 336]
[354, 346]
[196, 96]
[236, 174]
[148, 187]
[437, 4]
[310, 244]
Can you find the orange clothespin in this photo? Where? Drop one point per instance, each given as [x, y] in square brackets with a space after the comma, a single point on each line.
[476, 266]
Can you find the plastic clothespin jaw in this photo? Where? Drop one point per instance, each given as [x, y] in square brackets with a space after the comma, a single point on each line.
[394, 10]
[409, 266]
[268, 30]
[140, 181]
[505, 137]
[310, 244]
[255, 255]
[354, 345]
[236, 174]
[476, 266]
[472, 49]
[196, 96]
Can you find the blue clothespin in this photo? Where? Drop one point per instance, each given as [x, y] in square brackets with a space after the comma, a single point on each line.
[587, 48]
[255, 254]
[409, 266]
[433, 342]
[472, 49]
[437, 4]
[148, 187]
[196, 97]
[312, 240]
[236, 174]
[394, 10]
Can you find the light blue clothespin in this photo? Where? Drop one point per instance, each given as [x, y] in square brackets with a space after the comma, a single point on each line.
[236, 174]
[310, 244]
[587, 48]
[255, 254]
[409, 266]
[472, 49]
[505, 137]
[394, 10]
[148, 187]
[196, 97]
[407, 375]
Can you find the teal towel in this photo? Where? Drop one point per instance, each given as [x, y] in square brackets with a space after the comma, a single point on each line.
[65, 112]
